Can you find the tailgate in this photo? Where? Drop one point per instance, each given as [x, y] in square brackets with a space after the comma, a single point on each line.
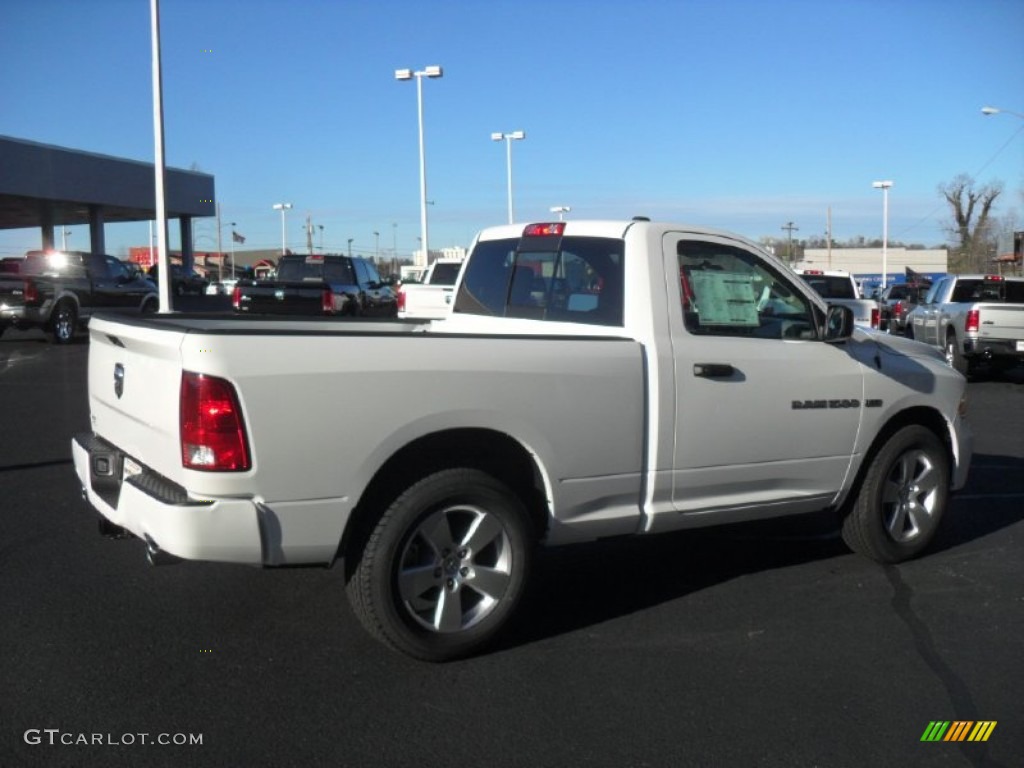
[282, 299]
[134, 382]
[1001, 321]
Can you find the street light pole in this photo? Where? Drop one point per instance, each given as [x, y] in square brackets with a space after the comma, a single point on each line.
[561, 210]
[884, 186]
[509, 138]
[283, 207]
[350, 246]
[408, 74]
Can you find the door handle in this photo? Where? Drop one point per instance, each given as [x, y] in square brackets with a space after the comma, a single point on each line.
[713, 370]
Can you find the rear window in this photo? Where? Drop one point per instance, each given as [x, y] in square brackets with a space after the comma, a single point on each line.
[582, 282]
[829, 287]
[314, 269]
[998, 291]
[445, 274]
[56, 264]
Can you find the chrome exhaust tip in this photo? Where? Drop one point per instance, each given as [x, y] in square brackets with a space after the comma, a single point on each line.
[156, 556]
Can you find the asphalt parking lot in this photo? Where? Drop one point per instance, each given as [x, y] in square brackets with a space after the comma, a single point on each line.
[765, 644]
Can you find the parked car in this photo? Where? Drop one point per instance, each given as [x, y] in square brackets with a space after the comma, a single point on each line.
[896, 303]
[59, 291]
[839, 288]
[431, 299]
[182, 282]
[595, 379]
[973, 319]
[318, 284]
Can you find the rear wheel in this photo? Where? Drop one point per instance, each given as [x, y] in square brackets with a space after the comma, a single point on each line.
[63, 322]
[445, 566]
[902, 499]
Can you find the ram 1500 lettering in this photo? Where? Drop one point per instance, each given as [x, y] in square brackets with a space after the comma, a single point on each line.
[595, 379]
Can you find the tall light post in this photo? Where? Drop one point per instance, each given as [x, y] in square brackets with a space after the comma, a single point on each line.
[376, 246]
[350, 246]
[561, 210]
[509, 138]
[884, 186]
[283, 208]
[408, 74]
[321, 237]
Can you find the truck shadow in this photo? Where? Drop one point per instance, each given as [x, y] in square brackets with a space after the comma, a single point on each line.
[584, 585]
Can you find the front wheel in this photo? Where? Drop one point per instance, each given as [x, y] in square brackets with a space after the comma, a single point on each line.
[445, 566]
[902, 498]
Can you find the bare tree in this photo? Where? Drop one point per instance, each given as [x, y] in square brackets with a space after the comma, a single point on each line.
[971, 226]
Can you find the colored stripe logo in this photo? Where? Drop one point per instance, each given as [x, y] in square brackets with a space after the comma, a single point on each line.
[959, 730]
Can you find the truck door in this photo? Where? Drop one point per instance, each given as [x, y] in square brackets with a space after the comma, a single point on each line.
[766, 413]
[926, 321]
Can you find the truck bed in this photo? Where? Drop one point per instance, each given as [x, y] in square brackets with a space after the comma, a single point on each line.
[533, 389]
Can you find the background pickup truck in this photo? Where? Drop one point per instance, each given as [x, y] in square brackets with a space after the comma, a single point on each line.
[57, 291]
[897, 302]
[321, 284]
[594, 380]
[431, 299]
[840, 289]
[973, 319]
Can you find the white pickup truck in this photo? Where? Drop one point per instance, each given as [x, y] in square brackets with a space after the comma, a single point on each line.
[973, 319]
[838, 287]
[596, 379]
[431, 299]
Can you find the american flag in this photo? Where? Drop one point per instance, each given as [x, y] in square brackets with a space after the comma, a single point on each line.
[237, 237]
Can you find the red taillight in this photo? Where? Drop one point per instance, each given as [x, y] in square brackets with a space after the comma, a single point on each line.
[551, 229]
[212, 429]
[401, 301]
[973, 320]
[897, 308]
[875, 317]
[812, 272]
[327, 301]
[236, 298]
[31, 293]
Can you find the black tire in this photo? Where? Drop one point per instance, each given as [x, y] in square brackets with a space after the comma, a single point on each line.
[150, 306]
[64, 322]
[953, 354]
[902, 498]
[445, 566]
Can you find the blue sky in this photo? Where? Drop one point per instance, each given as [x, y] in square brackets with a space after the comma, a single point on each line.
[739, 114]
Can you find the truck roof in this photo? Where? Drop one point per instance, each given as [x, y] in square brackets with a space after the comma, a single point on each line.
[615, 228]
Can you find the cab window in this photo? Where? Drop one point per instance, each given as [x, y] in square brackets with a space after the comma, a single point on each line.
[728, 291]
[581, 282]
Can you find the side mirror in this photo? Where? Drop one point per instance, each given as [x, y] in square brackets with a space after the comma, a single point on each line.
[838, 324]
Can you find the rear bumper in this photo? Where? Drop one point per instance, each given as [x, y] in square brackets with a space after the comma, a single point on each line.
[162, 514]
[991, 348]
